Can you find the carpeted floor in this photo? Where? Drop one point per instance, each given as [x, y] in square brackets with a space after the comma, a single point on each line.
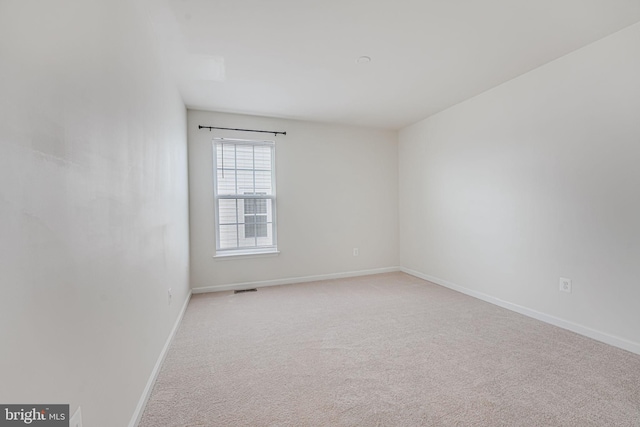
[384, 350]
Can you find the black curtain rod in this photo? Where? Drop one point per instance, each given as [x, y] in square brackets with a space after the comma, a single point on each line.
[275, 133]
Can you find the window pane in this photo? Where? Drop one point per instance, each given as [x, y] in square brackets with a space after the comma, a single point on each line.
[267, 238]
[249, 207]
[228, 237]
[245, 182]
[225, 155]
[255, 219]
[255, 206]
[261, 229]
[261, 206]
[249, 229]
[244, 155]
[263, 182]
[226, 181]
[255, 226]
[263, 157]
[247, 240]
[227, 212]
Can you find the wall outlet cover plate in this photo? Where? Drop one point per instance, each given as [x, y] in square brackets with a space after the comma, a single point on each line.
[565, 285]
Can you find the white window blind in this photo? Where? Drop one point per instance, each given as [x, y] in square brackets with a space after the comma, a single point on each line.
[245, 197]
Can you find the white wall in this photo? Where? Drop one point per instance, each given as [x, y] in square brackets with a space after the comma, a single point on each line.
[93, 205]
[533, 180]
[336, 190]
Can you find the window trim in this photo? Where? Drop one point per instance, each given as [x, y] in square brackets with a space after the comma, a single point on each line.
[243, 254]
[244, 251]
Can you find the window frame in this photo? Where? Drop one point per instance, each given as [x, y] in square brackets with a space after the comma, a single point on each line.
[252, 250]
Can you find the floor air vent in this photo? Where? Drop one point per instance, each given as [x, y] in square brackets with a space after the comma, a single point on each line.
[245, 290]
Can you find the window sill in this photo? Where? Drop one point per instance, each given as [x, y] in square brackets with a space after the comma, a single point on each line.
[224, 256]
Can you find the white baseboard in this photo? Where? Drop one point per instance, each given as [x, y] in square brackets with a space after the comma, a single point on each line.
[137, 414]
[613, 340]
[290, 280]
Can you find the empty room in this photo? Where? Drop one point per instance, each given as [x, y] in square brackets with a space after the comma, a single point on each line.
[251, 213]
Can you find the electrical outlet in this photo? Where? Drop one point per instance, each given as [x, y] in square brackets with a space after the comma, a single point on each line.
[565, 285]
[169, 295]
[355, 251]
[76, 420]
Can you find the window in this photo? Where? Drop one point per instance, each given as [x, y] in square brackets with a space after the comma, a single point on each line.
[245, 197]
[255, 217]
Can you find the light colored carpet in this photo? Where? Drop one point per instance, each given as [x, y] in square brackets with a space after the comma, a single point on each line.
[384, 350]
